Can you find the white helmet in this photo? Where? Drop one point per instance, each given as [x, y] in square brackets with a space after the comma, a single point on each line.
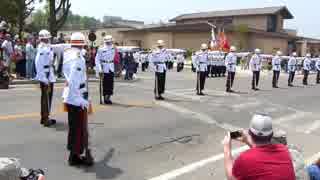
[3, 25]
[279, 53]
[308, 55]
[233, 49]
[107, 39]
[261, 125]
[294, 54]
[16, 37]
[257, 51]
[77, 39]
[204, 46]
[160, 43]
[44, 34]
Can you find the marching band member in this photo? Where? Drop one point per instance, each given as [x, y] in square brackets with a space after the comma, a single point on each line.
[105, 58]
[200, 62]
[180, 62]
[306, 68]
[45, 75]
[255, 65]
[76, 99]
[276, 66]
[318, 70]
[292, 63]
[231, 64]
[158, 58]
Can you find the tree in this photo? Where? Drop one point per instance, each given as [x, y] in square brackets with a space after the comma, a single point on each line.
[58, 13]
[25, 8]
[16, 12]
[8, 11]
[39, 21]
[80, 22]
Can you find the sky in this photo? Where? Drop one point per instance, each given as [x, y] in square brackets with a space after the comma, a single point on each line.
[306, 12]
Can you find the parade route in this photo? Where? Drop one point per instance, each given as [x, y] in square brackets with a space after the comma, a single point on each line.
[138, 138]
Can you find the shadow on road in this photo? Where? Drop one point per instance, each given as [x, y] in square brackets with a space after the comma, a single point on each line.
[103, 170]
[177, 100]
[60, 126]
[133, 105]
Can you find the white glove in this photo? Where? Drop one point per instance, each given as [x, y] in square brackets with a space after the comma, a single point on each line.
[84, 104]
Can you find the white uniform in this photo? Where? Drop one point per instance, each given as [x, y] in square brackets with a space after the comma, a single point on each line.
[74, 69]
[231, 62]
[44, 64]
[307, 64]
[136, 57]
[180, 58]
[201, 61]
[158, 59]
[105, 59]
[8, 51]
[212, 59]
[318, 64]
[45, 60]
[276, 63]
[292, 63]
[255, 63]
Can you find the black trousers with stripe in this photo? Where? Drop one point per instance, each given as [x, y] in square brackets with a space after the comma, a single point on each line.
[160, 83]
[46, 100]
[275, 78]
[230, 79]
[108, 84]
[78, 129]
[255, 79]
[201, 80]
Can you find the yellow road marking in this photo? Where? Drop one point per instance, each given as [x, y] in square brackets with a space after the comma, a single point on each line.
[28, 88]
[96, 108]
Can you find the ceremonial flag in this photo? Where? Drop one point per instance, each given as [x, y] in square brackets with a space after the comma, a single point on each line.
[223, 42]
[213, 42]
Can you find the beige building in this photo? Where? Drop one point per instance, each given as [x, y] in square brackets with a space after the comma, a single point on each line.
[245, 28]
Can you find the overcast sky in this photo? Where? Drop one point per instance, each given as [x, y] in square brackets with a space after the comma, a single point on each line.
[306, 12]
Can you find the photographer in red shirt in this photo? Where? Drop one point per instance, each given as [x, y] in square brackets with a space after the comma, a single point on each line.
[264, 160]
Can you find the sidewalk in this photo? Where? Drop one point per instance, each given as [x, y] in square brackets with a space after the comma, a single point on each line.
[62, 80]
[249, 72]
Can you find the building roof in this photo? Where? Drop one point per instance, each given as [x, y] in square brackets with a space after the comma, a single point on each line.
[237, 12]
[204, 27]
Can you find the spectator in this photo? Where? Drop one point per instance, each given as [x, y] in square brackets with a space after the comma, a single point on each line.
[314, 171]
[7, 48]
[264, 160]
[19, 56]
[129, 65]
[30, 57]
[10, 169]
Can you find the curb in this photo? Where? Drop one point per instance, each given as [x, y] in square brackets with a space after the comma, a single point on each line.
[60, 81]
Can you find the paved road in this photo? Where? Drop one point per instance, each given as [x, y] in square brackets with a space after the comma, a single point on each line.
[140, 139]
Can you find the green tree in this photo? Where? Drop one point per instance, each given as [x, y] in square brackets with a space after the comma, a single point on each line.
[58, 13]
[8, 11]
[25, 8]
[16, 12]
[39, 21]
[77, 21]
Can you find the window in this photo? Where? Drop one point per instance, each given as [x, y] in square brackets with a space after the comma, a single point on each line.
[272, 23]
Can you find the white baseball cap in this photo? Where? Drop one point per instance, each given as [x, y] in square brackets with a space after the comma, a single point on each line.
[261, 125]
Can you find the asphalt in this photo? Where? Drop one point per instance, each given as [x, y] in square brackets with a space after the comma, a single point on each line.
[138, 138]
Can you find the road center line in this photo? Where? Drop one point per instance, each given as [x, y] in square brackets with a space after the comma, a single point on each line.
[195, 115]
[194, 166]
[290, 117]
[314, 126]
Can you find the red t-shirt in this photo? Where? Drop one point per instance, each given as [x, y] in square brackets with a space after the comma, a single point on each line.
[269, 162]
